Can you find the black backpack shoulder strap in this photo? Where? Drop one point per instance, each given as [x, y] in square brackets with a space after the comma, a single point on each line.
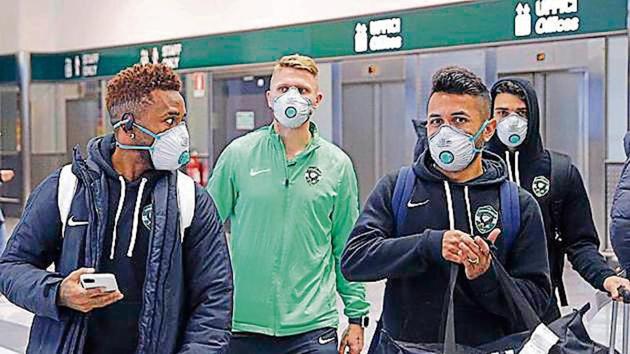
[560, 170]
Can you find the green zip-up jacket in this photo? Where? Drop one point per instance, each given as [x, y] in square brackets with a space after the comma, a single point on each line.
[290, 222]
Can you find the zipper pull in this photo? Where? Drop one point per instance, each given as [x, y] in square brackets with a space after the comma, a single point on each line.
[286, 183]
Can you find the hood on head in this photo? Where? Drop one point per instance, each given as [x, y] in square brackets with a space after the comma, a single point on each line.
[532, 147]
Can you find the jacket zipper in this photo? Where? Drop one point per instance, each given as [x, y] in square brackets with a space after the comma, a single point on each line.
[285, 165]
[95, 212]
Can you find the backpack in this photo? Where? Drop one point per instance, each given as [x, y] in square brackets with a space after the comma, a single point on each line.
[508, 194]
[185, 192]
[560, 170]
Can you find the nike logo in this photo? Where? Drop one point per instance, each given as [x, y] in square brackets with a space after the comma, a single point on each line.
[253, 173]
[324, 341]
[72, 222]
[413, 205]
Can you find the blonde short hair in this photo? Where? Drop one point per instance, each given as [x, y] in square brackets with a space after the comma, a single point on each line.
[299, 62]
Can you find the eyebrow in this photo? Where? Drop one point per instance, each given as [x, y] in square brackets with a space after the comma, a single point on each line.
[172, 112]
[460, 113]
[522, 109]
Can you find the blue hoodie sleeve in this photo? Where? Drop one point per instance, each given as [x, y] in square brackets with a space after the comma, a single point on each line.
[373, 253]
[33, 247]
[526, 262]
[208, 277]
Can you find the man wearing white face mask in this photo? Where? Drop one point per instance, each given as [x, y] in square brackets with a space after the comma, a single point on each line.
[557, 186]
[126, 211]
[292, 199]
[424, 222]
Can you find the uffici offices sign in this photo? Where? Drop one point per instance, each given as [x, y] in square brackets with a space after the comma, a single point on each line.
[546, 17]
[470, 23]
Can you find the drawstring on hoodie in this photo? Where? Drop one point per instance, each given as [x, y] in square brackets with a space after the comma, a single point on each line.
[136, 213]
[121, 201]
[449, 204]
[517, 170]
[516, 175]
[467, 198]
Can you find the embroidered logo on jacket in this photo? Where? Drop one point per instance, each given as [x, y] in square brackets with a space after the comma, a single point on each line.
[540, 186]
[486, 219]
[313, 175]
[147, 216]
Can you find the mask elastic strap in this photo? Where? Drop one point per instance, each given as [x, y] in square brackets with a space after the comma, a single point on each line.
[478, 134]
[134, 147]
[146, 131]
[141, 128]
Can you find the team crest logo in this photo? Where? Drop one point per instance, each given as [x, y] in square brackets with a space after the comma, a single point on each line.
[147, 216]
[540, 186]
[486, 219]
[313, 175]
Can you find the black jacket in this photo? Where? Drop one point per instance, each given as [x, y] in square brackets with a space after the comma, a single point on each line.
[580, 240]
[187, 292]
[417, 273]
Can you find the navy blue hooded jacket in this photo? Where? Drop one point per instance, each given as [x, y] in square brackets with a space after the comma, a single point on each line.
[187, 293]
[620, 213]
[580, 240]
[417, 274]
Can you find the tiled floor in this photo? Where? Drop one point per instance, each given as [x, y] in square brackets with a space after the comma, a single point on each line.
[578, 291]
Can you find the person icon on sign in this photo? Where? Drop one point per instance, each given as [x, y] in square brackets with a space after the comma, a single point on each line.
[360, 38]
[523, 20]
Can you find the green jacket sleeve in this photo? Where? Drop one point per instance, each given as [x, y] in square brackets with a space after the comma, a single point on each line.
[222, 186]
[345, 213]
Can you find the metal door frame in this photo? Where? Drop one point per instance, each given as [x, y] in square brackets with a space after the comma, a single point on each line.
[398, 69]
[12, 88]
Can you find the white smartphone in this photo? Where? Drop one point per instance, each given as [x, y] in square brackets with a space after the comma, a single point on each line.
[107, 281]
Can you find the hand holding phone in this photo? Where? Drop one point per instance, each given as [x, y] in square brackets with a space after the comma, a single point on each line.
[105, 281]
[73, 295]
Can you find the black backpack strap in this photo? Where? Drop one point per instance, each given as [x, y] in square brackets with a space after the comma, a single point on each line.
[510, 212]
[560, 170]
[402, 192]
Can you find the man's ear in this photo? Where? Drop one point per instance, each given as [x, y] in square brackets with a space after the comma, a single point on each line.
[269, 100]
[488, 132]
[318, 99]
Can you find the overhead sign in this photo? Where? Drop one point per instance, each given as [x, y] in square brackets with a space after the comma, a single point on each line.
[378, 35]
[168, 54]
[546, 17]
[469, 23]
[84, 65]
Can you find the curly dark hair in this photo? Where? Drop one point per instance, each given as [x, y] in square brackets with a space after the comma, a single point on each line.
[130, 89]
[511, 88]
[460, 81]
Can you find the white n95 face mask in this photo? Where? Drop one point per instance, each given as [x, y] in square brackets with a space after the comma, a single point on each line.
[452, 149]
[170, 150]
[512, 130]
[292, 109]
